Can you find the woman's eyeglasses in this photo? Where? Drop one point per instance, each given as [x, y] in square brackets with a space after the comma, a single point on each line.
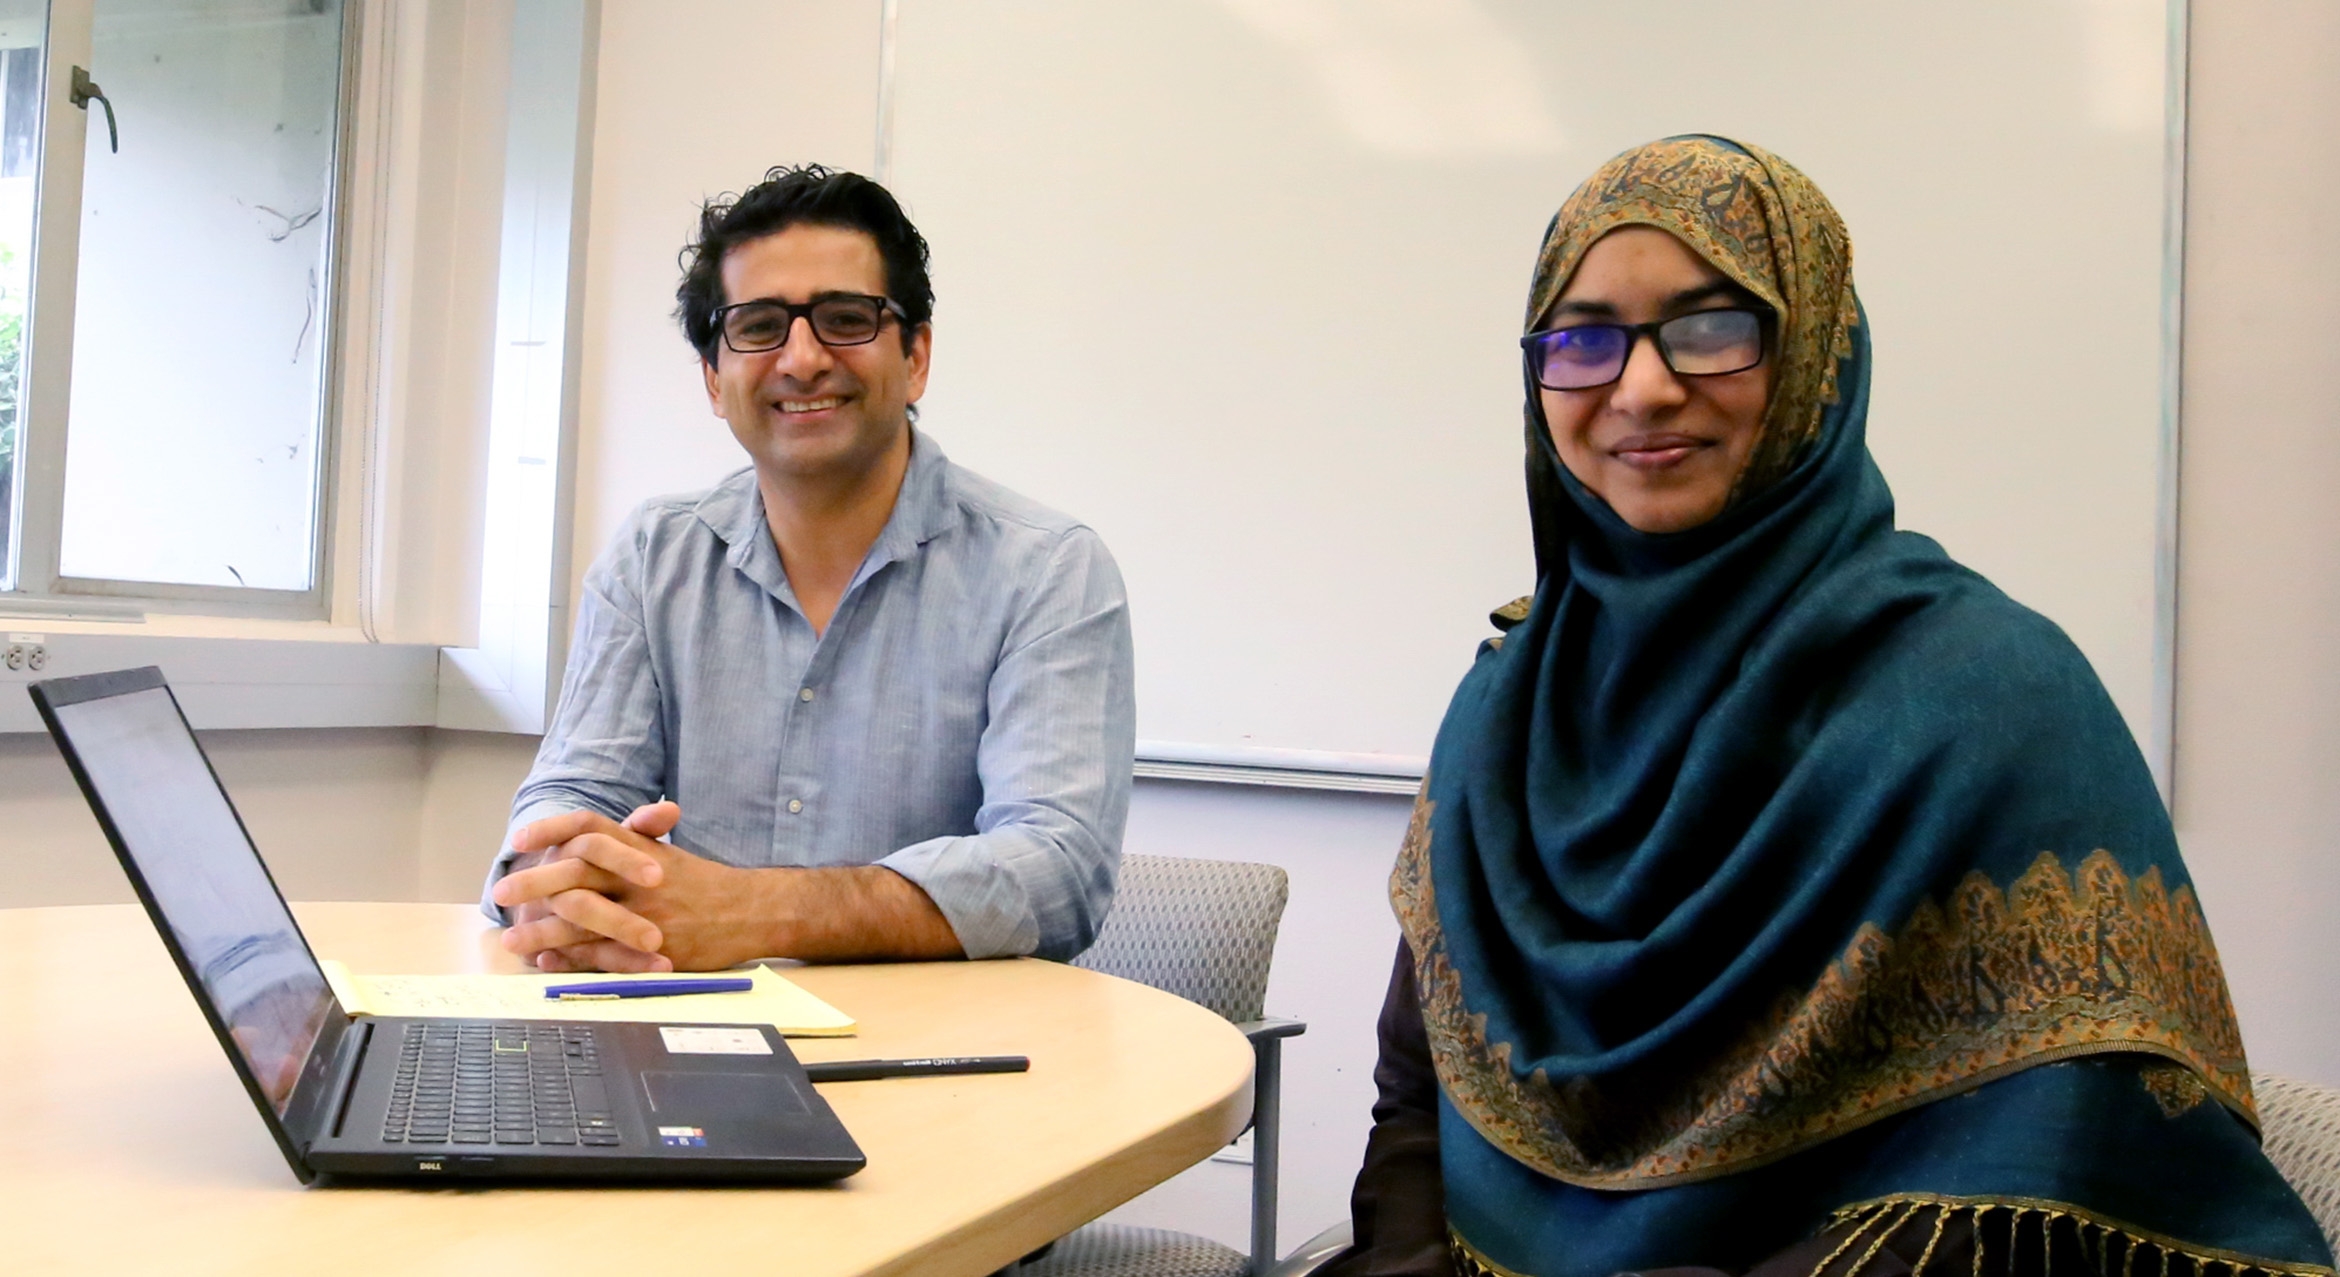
[839, 319]
[1704, 343]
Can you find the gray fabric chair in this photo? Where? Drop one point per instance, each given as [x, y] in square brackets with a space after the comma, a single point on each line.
[2299, 1126]
[1204, 930]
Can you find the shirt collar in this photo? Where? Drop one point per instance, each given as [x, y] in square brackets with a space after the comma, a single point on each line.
[734, 511]
[921, 511]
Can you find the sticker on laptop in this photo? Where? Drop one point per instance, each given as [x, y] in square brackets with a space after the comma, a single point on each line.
[700, 1040]
[682, 1137]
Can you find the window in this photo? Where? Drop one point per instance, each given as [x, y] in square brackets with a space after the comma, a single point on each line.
[163, 384]
[23, 26]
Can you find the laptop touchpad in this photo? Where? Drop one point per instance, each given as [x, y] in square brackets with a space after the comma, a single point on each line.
[722, 1097]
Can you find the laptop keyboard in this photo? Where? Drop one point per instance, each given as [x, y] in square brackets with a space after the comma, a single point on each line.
[472, 1083]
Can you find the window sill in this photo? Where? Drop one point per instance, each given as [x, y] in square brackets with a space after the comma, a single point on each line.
[236, 673]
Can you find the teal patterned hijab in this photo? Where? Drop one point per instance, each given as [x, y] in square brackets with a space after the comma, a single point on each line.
[1763, 868]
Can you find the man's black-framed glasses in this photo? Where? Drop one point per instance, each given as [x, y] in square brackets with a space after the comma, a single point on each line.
[1703, 343]
[838, 319]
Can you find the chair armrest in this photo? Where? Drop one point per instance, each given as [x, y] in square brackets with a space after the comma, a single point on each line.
[1268, 1029]
[1315, 1253]
[1267, 1053]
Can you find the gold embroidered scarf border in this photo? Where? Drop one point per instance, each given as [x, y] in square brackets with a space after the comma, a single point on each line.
[1988, 983]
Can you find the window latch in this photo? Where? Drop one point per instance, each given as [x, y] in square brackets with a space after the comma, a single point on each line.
[84, 89]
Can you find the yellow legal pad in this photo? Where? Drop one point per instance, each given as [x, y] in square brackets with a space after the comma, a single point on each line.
[775, 1000]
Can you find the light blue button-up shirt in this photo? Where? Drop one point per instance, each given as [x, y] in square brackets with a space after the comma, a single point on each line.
[967, 720]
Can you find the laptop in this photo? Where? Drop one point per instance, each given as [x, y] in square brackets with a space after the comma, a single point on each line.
[404, 1098]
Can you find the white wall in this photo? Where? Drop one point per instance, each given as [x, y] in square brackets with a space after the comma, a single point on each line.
[696, 97]
[2258, 677]
[467, 800]
[336, 812]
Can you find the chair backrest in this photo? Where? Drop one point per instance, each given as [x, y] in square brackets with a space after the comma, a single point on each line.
[1202, 929]
[2300, 1128]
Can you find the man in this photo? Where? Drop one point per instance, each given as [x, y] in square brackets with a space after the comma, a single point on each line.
[853, 702]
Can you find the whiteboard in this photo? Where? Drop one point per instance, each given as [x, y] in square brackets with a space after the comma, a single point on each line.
[1239, 283]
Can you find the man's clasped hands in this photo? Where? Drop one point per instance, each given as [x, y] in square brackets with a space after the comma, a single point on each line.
[587, 893]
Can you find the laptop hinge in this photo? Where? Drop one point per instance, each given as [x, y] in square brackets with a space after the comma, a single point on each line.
[345, 1073]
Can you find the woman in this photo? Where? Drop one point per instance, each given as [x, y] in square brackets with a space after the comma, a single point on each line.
[1782, 896]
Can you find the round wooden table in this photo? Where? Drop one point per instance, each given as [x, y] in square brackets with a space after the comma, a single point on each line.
[129, 1146]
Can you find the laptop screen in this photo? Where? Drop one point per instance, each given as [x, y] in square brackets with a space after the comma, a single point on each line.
[204, 878]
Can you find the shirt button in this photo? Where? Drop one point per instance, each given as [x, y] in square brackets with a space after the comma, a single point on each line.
[795, 805]
[804, 693]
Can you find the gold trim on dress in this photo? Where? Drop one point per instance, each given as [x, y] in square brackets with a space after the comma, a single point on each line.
[2095, 1235]
[2103, 1241]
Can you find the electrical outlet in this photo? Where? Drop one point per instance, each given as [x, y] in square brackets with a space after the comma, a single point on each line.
[25, 653]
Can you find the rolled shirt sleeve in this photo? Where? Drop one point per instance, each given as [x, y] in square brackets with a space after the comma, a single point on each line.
[1037, 875]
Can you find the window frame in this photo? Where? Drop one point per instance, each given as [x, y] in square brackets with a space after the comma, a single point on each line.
[41, 590]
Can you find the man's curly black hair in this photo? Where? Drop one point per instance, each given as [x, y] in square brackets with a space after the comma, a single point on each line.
[793, 195]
